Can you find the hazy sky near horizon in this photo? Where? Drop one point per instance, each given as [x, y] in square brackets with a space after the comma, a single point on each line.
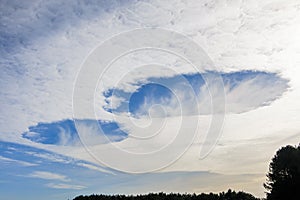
[150, 104]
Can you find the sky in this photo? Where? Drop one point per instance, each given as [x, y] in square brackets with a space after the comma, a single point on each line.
[130, 97]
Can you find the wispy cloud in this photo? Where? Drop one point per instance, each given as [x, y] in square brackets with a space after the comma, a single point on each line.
[95, 167]
[65, 186]
[51, 157]
[49, 176]
[20, 162]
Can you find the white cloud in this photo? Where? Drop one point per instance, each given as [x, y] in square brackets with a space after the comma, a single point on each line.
[20, 162]
[51, 156]
[65, 186]
[48, 176]
[49, 73]
[65, 160]
[95, 167]
[253, 93]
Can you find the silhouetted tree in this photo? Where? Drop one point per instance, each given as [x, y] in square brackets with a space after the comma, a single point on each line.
[283, 179]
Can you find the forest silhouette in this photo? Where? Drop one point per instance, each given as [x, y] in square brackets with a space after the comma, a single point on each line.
[229, 195]
[283, 183]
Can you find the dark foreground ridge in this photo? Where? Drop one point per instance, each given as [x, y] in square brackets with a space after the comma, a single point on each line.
[229, 195]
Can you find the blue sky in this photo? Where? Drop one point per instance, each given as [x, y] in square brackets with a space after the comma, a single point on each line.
[150, 108]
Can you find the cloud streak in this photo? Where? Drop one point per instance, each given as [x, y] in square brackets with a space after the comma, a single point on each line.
[65, 186]
[48, 176]
[20, 162]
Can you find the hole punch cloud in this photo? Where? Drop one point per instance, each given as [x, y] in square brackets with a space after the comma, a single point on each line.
[244, 91]
[65, 133]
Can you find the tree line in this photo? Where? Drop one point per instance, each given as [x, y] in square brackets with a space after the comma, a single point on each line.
[229, 195]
